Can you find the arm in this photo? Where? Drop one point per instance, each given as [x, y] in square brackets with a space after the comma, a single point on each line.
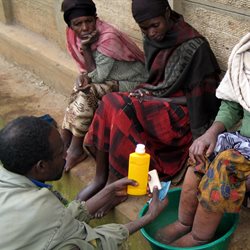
[109, 193]
[181, 100]
[205, 144]
[100, 179]
[155, 208]
[104, 66]
[119, 188]
[68, 247]
[146, 95]
[229, 114]
[86, 50]
[89, 59]
[116, 234]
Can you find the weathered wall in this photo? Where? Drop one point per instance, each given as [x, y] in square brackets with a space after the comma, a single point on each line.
[40, 16]
[223, 22]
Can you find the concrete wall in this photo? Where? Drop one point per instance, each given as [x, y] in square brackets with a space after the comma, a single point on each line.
[40, 16]
[223, 22]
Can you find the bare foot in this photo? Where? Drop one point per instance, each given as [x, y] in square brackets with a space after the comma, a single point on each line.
[73, 158]
[117, 200]
[172, 232]
[105, 209]
[66, 137]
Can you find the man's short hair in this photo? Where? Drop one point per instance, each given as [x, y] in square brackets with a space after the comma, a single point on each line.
[23, 142]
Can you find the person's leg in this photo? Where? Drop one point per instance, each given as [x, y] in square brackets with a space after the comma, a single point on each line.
[116, 201]
[73, 144]
[100, 179]
[248, 184]
[66, 137]
[246, 202]
[187, 209]
[84, 107]
[102, 160]
[75, 153]
[203, 230]
[221, 189]
[77, 119]
[91, 150]
[112, 178]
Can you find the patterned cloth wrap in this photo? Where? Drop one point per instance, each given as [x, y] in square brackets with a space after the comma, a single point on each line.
[222, 187]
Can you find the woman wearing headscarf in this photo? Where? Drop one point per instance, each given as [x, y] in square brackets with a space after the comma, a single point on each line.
[108, 60]
[219, 172]
[175, 105]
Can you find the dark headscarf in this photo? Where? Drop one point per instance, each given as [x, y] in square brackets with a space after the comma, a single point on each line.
[146, 9]
[76, 8]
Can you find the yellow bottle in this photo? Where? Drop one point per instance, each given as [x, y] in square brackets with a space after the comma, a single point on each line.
[138, 170]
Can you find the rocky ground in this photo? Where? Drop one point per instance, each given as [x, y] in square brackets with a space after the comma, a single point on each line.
[23, 93]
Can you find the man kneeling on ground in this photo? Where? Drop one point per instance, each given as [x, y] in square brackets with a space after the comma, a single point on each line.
[33, 216]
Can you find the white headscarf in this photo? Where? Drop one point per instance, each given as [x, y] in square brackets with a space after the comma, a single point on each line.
[235, 86]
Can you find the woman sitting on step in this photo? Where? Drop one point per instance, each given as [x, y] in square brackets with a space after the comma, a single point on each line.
[108, 61]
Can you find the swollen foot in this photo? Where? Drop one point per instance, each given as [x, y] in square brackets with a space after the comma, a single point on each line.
[172, 232]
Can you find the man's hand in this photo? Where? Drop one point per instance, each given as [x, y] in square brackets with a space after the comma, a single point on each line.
[110, 196]
[119, 188]
[156, 206]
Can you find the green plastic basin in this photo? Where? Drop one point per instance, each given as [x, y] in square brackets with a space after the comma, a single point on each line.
[169, 215]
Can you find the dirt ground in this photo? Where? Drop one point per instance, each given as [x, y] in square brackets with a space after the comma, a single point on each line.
[23, 93]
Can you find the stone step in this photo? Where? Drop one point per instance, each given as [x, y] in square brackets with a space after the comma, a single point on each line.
[40, 56]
